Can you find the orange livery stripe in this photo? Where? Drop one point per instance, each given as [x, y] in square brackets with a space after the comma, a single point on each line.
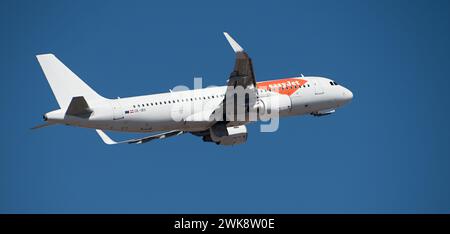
[286, 86]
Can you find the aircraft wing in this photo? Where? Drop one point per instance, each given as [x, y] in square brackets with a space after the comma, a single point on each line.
[242, 74]
[163, 135]
[242, 78]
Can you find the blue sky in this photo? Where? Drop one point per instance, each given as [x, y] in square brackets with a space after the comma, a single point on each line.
[386, 152]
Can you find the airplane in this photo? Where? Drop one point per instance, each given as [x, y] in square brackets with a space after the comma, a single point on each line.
[214, 113]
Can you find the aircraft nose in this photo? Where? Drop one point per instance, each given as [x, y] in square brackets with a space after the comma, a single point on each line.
[346, 96]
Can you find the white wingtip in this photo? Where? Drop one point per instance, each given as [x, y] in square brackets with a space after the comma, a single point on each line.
[44, 55]
[236, 47]
[105, 137]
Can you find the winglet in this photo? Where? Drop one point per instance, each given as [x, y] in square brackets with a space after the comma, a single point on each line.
[236, 47]
[105, 137]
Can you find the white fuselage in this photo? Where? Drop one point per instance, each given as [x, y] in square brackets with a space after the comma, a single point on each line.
[175, 110]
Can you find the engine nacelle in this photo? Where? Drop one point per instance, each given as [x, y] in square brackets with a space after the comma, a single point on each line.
[228, 135]
[274, 103]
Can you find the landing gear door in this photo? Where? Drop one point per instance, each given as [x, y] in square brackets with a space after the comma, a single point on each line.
[117, 111]
[318, 89]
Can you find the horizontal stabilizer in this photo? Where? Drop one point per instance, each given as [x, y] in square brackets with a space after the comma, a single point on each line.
[109, 141]
[42, 126]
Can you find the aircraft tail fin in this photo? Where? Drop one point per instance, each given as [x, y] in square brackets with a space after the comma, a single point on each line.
[64, 83]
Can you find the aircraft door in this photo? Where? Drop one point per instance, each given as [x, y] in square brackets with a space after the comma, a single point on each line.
[117, 111]
[318, 89]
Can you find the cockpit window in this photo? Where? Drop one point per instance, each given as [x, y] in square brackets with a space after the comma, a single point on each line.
[331, 83]
[335, 83]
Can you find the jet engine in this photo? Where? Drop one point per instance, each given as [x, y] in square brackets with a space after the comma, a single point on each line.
[223, 135]
[274, 103]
